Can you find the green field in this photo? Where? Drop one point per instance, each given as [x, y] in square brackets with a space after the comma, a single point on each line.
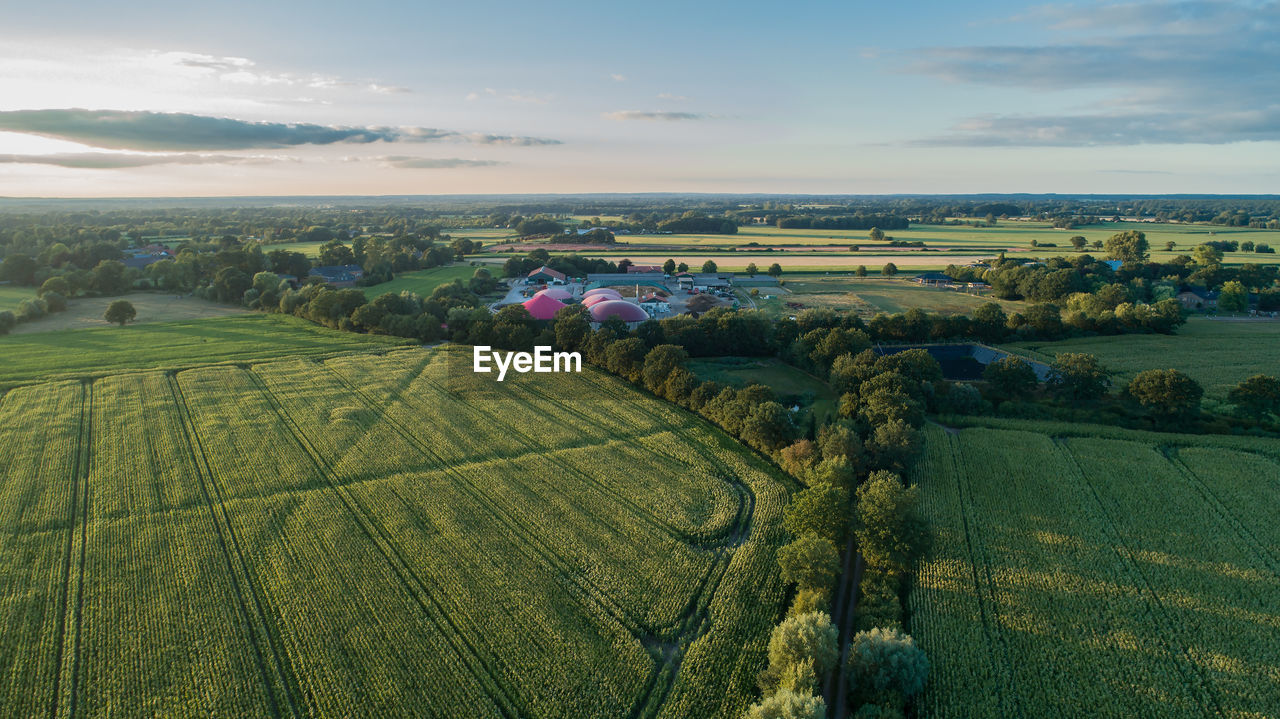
[867, 296]
[827, 250]
[171, 345]
[787, 382]
[1217, 353]
[11, 295]
[1073, 576]
[377, 535]
[421, 281]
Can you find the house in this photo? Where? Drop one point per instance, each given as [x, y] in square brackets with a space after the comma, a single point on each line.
[934, 279]
[146, 256]
[607, 279]
[339, 275]
[545, 274]
[1197, 298]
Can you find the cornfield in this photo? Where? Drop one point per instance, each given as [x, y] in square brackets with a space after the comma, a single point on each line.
[353, 536]
[1077, 576]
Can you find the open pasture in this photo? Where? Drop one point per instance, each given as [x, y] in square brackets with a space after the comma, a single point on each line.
[868, 296]
[171, 345]
[378, 535]
[421, 281]
[1217, 353]
[1072, 575]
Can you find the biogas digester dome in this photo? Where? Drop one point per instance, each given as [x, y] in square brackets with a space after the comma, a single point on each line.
[603, 292]
[543, 307]
[621, 309]
[597, 299]
[555, 293]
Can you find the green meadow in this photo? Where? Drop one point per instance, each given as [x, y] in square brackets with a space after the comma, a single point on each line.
[172, 345]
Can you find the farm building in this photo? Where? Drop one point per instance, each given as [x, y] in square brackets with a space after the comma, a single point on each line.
[543, 307]
[545, 274]
[604, 279]
[933, 279]
[1197, 298]
[647, 269]
[339, 275]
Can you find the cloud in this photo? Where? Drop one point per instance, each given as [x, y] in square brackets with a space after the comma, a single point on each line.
[669, 96]
[1168, 72]
[115, 160]
[512, 96]
[243, 71]
[618, 77]
[660, 116]
[158, 131]
[433, 163]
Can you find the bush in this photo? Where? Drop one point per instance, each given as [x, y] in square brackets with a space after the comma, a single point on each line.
[1010, 378]
[805, 638]
[787, 704]
[7, 322]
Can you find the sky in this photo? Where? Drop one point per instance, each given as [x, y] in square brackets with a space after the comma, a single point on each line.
[150, 98]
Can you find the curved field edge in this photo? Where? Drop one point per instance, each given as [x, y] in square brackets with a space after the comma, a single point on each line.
[338, 536]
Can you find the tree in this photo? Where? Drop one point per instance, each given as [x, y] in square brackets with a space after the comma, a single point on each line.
[7, 322]
[775, 270]
[1167, 393]
[1233, 297]
[1010, 377]
[669, 267]
[120, 312]
[767, 426]
[822, 510]
[891, 533]
[883, 661]
[682, 267]
[876, 234]
[990, 322]
[55, 302]
[1127, 246]
[789, 704]
[1255, 397]
[1170, 245]
[659, 363]
[55, 284]
[1206, 255]
[1079, 242]
[810, 562]
[889, 270]
[709, 267]
[109, 277]
[894, 445]
[861, 271]
[19, 269]
[752, 269]
[1078, 376]
[804, 638]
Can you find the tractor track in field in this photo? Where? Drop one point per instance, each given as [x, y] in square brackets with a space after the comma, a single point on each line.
[651, 699]
[255, 618]
[75, 510]
[538, 549]
[414, 586]
[1259, 548]
[1168, 627]
[986, 603]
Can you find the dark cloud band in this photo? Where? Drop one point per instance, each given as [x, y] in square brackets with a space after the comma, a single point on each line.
[115, 161]
[162, 131]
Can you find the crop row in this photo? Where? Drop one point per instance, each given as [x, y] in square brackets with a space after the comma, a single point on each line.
[1063, 579]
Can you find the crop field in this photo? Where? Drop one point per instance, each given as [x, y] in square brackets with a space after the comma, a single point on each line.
[1078, 575]
[421, 281]
[868, 296]
[1217, 353]
[171, 345]
[377, 535]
